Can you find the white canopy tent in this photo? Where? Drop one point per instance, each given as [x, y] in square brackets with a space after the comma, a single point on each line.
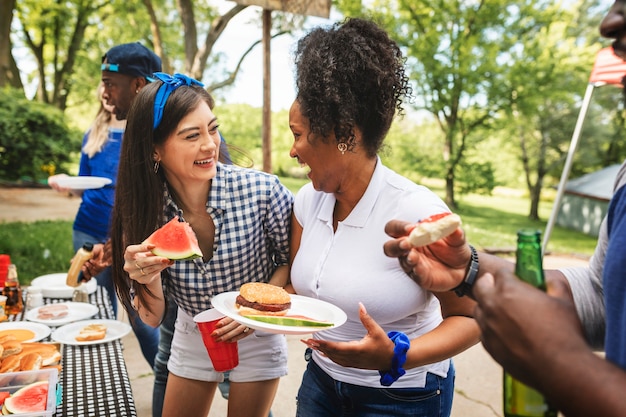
[608, 69]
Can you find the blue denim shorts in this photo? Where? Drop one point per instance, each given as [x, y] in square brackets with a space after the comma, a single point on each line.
[321, 396]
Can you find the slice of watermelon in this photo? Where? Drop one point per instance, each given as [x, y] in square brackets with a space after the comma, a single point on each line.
[300, 321]
[28, 399]
[3, 396]
[175, 240]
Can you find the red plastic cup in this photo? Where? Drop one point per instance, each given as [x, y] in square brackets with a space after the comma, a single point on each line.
[5, 260]
[224, 355]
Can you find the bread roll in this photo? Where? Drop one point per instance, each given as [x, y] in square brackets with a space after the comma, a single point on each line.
[7, 337]
[49, 352]
[91, 332]
[257, 298]
[11, 347]
[258, 292]
[433, 228]
[10, 364]
[30, 362]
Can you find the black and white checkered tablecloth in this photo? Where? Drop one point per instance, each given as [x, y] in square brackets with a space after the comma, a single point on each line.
[94, 378]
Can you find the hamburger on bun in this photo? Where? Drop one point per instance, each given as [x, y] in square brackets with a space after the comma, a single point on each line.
[257, 298]
[433, 228]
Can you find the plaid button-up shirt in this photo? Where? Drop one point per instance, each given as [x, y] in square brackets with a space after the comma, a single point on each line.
[252, 213]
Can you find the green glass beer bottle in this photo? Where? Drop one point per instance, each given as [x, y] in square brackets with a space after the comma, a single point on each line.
[519, 400]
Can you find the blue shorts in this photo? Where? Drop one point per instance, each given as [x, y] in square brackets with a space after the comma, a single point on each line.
[262, 356]
[321, 396]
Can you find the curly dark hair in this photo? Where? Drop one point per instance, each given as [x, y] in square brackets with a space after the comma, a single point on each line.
[351, 74]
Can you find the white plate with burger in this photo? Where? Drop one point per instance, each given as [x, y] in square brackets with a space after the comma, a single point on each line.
[72, 333]
[276, 313]
[59, 314]
[53, 285]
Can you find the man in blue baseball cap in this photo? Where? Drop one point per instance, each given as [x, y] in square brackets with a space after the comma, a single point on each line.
[126, 69]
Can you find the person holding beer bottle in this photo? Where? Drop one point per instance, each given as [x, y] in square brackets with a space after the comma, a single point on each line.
[547, 340]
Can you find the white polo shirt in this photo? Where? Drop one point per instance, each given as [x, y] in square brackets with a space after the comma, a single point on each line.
[349, 266]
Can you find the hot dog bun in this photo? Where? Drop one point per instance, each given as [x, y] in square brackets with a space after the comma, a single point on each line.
[433, 228]
[11, 347]
[257, 298]
[31, 356]
[49, 352]
[10, 364]
[30, 362]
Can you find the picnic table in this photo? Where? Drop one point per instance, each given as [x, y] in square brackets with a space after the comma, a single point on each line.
[94, 378]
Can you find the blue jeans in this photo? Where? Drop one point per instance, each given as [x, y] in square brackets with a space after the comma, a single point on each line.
[148, 337]
[166, 330]
[321, 396]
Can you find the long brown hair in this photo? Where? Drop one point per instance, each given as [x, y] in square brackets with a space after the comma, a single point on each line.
[139, 194]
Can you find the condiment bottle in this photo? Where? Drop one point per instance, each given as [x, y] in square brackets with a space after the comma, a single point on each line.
[83, 254]
[13, 292]
[520, 400]
[34, 297]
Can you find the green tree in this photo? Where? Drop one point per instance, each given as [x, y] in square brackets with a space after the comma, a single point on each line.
[547, 75]
[9, 73]
[34, 138]
[452, 48]
[54, 32]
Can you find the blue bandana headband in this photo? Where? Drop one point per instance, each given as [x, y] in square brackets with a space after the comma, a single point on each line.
[170, 83]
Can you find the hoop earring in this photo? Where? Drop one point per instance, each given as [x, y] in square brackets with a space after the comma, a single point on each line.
[342, 147]
[156, 166]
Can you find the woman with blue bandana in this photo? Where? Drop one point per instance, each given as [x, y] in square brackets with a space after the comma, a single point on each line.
[169, 167]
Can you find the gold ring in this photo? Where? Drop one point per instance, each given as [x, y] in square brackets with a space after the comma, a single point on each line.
[140, 268]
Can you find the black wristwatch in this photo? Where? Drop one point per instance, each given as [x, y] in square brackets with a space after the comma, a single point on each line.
[472, 272]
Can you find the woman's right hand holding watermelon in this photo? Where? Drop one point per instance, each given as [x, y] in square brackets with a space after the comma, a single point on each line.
[145, 268]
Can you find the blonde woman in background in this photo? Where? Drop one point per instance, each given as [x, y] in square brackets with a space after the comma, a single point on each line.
[100, 157]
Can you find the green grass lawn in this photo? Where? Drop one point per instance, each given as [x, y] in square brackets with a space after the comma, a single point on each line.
[45, 247]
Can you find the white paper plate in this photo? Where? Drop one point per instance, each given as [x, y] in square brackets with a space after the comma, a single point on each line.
[67, 334]
[75, 312]
[53, 285]
[300, 305]
[41, 331]
[83, 182]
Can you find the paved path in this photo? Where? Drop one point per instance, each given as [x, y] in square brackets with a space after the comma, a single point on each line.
[478, 381]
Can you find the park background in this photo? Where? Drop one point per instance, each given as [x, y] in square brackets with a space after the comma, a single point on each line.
[497, 88]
